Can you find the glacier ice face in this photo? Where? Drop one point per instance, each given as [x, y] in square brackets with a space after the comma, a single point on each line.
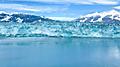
[60, 29]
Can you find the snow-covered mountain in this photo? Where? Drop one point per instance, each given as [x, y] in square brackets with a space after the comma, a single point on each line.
[106, 17]
[112, 16]
[21, 18]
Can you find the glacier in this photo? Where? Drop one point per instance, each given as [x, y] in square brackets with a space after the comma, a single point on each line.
[60, 29]
[99, 25]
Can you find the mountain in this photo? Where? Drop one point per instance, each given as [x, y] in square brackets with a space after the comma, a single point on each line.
[112, 16]
[21, 18]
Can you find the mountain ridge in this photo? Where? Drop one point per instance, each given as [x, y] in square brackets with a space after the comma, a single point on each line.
[21, 18]
[106, 17]
[112, 16]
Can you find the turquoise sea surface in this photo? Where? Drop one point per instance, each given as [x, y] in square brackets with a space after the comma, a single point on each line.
[59, 44]
[59, 52]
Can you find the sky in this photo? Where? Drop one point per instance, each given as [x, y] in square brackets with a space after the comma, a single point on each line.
[59, 9]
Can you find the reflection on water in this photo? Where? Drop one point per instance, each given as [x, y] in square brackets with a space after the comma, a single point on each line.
[59, 52]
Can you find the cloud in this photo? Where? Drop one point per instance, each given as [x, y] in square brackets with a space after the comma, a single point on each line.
[90, 2]
[117, 7]
[62, 18]
[20, 7]
[107, 2]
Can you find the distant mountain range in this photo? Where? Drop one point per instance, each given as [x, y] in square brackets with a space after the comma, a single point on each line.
[22, 18]
[112, 16]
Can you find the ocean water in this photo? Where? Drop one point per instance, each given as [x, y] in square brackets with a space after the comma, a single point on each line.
[59, 52]
[59, 44]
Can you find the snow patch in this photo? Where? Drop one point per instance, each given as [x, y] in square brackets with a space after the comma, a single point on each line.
[6, 18]
[19, 20]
